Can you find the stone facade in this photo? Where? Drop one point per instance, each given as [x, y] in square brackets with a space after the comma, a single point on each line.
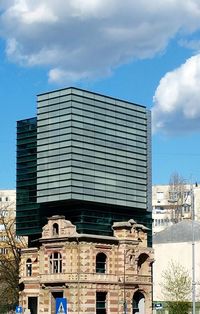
[96, 274]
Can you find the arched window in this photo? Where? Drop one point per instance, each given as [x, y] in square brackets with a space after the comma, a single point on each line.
[55, 263]
[101, 263]
[28, 267]
[143, 266]
[138, 303]
[55, 229]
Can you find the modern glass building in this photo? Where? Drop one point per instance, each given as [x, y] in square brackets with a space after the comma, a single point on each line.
[86, 156]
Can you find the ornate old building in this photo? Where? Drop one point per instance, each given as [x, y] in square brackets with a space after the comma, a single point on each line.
[96, 274]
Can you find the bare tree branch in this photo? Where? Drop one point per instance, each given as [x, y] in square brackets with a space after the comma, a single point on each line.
[10, 246]
[177, 189]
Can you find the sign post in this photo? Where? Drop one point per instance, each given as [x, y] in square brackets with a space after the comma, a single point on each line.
[18, 309]
[61, 306]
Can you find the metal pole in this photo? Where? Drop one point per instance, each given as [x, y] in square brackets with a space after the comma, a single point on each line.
[193, 254]
[124, 281]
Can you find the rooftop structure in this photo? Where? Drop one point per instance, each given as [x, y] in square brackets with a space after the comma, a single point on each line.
[86, 156]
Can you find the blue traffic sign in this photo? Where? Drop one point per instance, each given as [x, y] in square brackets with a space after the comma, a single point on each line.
[18, 309]
[61, 306]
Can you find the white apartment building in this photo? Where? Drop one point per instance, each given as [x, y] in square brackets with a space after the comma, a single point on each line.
[174, 205]
[7, 202]
[7, 210]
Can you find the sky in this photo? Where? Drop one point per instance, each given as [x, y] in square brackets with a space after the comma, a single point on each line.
[146, 52]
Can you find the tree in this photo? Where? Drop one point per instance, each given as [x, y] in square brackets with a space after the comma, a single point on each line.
[177, 191]
[176, 287]
[10, 246]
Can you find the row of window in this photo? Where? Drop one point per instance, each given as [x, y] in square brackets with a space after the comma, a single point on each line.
[82, 102]
[98, 177]
[126, 128]
[84, 99]
[93, 146]
[106, 185]
[97, 165]
[97, 151]
[119, 194]
[106, 116]
[93, 198]
[3, 250]
[4, 199]
[162, 222]
[105, 172]
[57, 135]
[98, 158]
[56, 265]
[79, 121]
[67, 107]
[110, 140]
[55, 262]
[173, 195]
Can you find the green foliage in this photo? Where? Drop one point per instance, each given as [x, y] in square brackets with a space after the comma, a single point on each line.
[176, 284]
[178, 307]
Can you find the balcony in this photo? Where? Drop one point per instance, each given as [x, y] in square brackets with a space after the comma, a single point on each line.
[89, 277]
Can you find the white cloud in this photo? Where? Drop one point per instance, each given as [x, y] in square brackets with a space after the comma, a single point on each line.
[176, 101]
[59, 75]
[87, 39]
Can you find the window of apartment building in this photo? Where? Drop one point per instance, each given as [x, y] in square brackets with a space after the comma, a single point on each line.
[2, 227]
[101, 302]
[4, 212]
[7, 199]
[101, 263]
[28, 267]
[3, 250]
[159, 208]
[55, 263]
[173, 196]
[3, 238]
[186, 194]
[187, 209]
[160, 196]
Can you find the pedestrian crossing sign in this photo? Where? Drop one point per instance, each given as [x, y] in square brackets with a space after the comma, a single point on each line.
[61, 306]
[18, 309]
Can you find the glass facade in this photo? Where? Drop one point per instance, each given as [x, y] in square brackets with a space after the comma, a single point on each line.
[92, 150]
[27, 212]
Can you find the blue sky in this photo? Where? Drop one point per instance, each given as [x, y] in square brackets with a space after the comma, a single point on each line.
[146, 52]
